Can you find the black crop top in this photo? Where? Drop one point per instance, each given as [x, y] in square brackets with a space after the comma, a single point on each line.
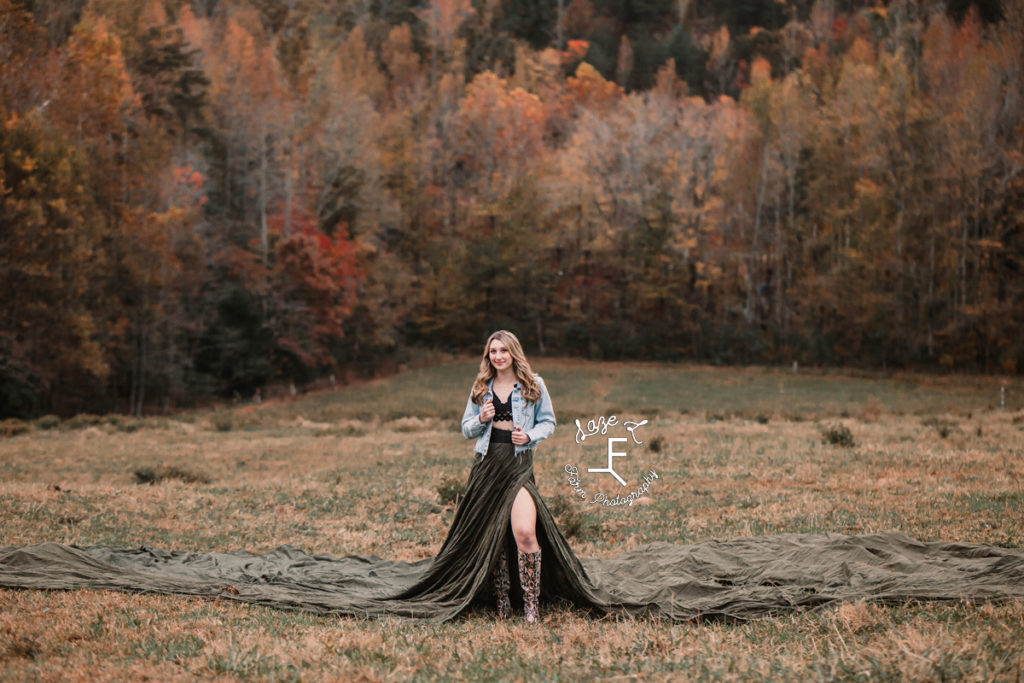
[502, 411]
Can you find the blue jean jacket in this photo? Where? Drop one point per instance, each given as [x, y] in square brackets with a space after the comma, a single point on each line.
[536, 419]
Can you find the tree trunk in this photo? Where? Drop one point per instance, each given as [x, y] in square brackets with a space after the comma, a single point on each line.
[263, 194]
[752, 258]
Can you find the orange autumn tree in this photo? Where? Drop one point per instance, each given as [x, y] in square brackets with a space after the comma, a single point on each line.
[50, 251]
[111, 220]
[499, 160]
[97, 108]
[501, 134]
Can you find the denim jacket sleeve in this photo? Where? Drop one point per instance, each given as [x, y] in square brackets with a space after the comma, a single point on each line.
[472, 427]
[543, 417]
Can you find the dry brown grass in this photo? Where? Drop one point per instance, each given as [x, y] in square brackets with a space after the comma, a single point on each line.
[310, 474]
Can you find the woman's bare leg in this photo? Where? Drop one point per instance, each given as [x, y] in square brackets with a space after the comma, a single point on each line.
[524, 522]
[524, 528]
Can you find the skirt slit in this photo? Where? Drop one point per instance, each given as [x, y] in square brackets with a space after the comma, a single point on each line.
[461, 571]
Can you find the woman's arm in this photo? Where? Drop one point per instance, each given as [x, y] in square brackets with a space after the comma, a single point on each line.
[543, 416]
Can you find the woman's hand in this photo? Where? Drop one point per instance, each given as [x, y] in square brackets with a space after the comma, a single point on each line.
[487, 411]
[519, 437]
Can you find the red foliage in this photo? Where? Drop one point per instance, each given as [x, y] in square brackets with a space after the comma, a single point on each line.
[742, 75]
[577, 50]
[839, 27]
[316, 278]
[189, 176]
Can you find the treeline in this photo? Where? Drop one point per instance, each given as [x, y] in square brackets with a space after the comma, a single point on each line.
[204, 197]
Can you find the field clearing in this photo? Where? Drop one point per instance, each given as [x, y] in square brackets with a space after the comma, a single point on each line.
[361, 470]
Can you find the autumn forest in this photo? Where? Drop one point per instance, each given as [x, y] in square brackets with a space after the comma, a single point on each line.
[201, 198]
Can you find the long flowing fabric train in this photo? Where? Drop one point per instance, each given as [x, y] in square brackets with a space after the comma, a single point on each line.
[736, 579]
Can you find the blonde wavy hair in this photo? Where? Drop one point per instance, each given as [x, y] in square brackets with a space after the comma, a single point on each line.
[520, 366]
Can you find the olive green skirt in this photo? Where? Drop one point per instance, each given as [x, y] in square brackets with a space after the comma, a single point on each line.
[460, 573]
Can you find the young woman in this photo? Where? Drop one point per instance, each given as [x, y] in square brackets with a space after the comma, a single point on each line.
[501, 525]
[509, 412]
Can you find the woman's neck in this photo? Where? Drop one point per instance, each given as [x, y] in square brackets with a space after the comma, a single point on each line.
[506, 376]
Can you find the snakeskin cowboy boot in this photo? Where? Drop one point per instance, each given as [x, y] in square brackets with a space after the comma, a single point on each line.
[529, 579]
[502, 584]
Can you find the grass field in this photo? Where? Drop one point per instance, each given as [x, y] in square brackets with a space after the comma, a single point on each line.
[362, 471]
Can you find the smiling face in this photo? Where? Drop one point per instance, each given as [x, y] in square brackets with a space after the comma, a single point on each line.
[499, 355]
[503, 354]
